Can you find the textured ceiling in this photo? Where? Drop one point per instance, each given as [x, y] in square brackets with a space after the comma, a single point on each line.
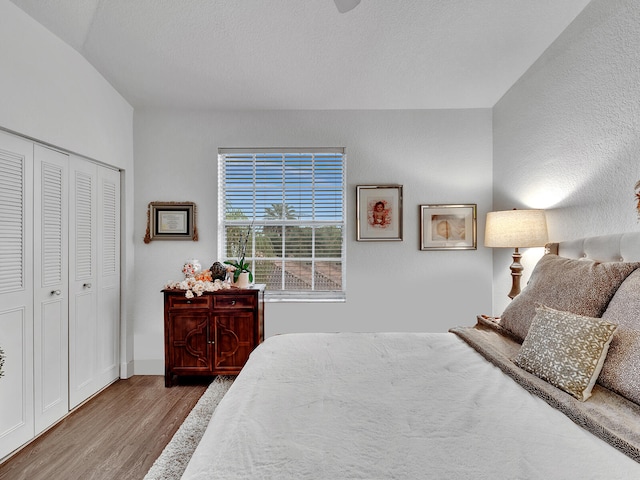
[304, 54]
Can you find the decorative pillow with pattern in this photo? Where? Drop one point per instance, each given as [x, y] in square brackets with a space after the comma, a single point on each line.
[583, 287]
[621, 370]
[566, 350]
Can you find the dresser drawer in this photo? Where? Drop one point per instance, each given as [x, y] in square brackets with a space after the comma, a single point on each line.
[233, 301]
[180, 301]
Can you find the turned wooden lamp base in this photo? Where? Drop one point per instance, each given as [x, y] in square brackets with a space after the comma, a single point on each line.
[516, 273]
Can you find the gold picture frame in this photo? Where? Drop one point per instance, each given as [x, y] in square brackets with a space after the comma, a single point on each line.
[171, 221]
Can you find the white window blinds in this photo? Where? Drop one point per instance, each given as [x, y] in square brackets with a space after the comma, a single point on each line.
[293, 203]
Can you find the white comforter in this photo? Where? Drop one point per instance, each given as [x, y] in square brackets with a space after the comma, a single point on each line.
[382, 406]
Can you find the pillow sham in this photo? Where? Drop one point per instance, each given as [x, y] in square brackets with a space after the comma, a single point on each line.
[583, 287]
[624, 307]
[566, 350]
[621, 370]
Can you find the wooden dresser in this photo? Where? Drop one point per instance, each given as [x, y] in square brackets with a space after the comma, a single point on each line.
[212, 334]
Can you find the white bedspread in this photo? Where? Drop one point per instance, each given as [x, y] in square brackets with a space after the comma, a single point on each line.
[383, 406]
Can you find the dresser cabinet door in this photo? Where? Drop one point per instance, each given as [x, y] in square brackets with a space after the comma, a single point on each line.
[187, 336]
[237, 323]
[234, 340]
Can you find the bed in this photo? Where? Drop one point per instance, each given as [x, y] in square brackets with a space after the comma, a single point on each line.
[551, 389]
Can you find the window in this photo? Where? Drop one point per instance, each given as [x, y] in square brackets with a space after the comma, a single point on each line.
[292, 203]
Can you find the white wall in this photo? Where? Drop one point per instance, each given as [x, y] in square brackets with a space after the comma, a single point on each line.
[439, 156]
[567, 134]
[565, 137]
[50, 93]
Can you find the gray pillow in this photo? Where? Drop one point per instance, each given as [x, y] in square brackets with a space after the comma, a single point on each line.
[621, 370]
[583, 287]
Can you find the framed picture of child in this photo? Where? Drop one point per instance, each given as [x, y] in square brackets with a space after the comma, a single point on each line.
[448, 227]
[379, 210]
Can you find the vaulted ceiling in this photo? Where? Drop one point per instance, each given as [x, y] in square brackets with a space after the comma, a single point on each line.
[305, 54]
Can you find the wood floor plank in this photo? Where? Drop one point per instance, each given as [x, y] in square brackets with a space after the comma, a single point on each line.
[116, 435]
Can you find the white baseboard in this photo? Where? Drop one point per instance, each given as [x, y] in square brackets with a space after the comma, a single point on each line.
[126, 369]
[148, 367]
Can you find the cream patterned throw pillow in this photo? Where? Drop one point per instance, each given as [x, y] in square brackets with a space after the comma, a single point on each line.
[566, 350]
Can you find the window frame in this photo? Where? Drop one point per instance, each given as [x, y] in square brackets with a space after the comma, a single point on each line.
[272, 295]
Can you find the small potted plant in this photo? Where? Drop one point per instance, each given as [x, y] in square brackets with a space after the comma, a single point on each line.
[242, 275]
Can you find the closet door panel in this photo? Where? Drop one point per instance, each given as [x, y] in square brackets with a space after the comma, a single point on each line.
[108, 322]
[16, 292]
[16, 394]
[82, 281]
[51, 290]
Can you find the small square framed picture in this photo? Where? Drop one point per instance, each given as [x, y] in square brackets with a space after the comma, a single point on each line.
[448, 227]
[379, 210]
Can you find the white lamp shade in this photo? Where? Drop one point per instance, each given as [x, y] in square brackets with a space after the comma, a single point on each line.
[516, 228]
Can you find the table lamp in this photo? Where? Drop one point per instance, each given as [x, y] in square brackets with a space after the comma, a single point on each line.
[516, 229]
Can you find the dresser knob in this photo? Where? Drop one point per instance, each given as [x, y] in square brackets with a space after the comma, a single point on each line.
[233, 302]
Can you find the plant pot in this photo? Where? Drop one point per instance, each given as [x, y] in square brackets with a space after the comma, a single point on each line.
[243, 281]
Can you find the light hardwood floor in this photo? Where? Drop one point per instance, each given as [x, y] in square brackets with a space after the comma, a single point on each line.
[116, 435]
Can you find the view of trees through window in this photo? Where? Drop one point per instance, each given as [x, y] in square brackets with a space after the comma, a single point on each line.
[295, 244]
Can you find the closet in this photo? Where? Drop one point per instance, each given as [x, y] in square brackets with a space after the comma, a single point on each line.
[59, 285]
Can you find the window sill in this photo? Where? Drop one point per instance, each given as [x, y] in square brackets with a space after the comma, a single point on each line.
[302, 297]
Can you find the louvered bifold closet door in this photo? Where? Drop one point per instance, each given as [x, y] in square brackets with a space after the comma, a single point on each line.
[108, 252]
[16, 292]
[94, 278]
[51, 286]
[83, 381]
